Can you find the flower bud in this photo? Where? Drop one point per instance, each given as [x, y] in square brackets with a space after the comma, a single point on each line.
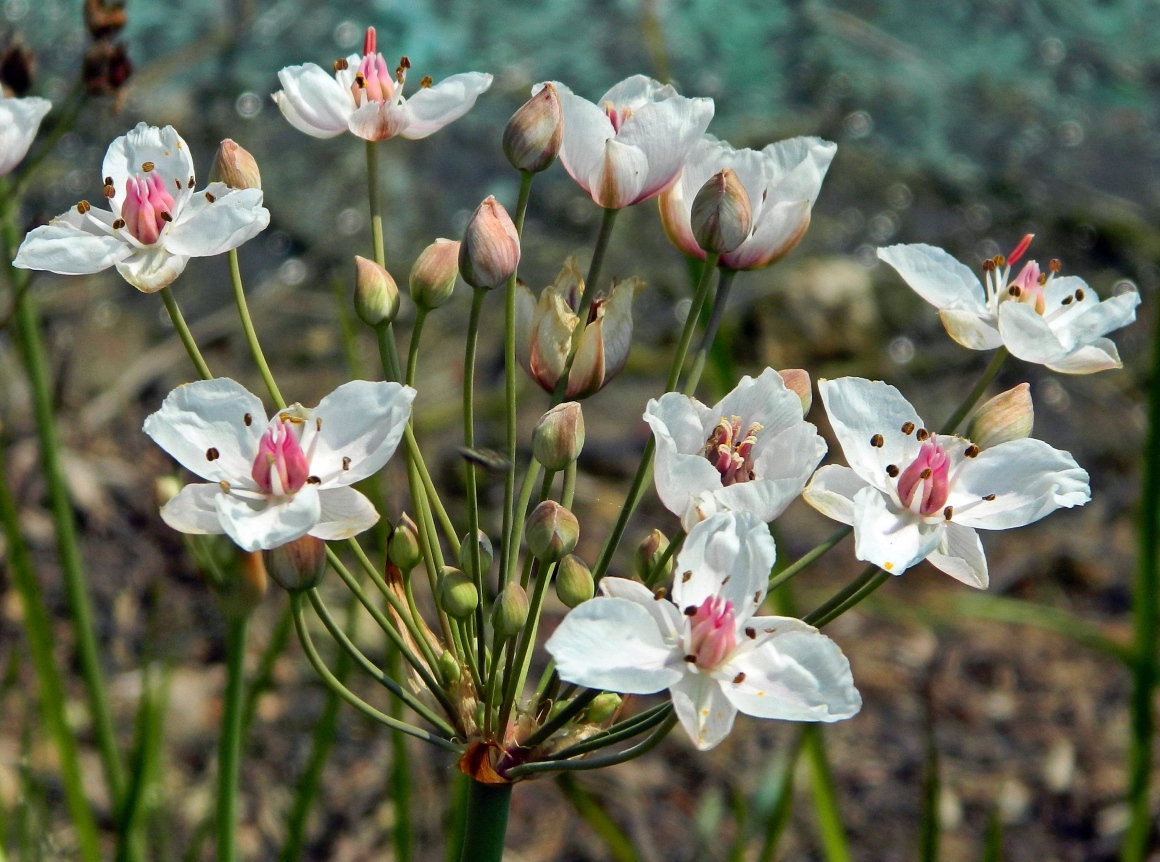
[1008, 416]
[297, 565]
[532, 137]
[457, 593]
[602, 708]
[403, 547]
[551, 532]
[106, 68]
[559, 436]
[17, 69]
[797, 381]
[235, 167]
[486, 553]
[574, 583]
[434, 273]
[510, 611]
[490, 251]
[648, 554]
[376, 296]
[721, 217]
[245, 591]
[449, 668]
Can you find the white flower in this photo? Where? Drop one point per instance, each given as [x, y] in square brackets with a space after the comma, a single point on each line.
[632, 144]
[362, 97]
[155, 222]
[1040, 317]
[271, 483]
[782, 181]
[706, 646]
[912, 495]
[750, 452]
[19, 122]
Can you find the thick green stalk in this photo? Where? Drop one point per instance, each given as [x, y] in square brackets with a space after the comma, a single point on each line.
[469, 468]
[184, 334]
[832, 832]
[413, 347]
[251, 334]
[487, 816]
[373, 201]
[230, 738]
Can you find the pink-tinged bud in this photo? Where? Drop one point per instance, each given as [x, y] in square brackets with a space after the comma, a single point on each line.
[434, 273]
[532, 138]
[297, 565]
[648, 554]
[1020, 250]
[510, 611]
[551, 532]
[1008, 416]
[235, 167]
[490, 251]
[376, 296]
[797, 381]
[721, 217]
[924, 485]
[712, 632]
[281, 467]
[558, 437]
[574, 582]
[244, 592]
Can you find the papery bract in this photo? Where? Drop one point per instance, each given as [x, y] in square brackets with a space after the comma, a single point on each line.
[912, 495]
[155, 222]
[19, 122]
[706, 646]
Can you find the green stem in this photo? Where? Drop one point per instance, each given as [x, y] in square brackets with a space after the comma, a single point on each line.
[469, 468]
[373, 201]
[724, 283]
[854, 592]
[776, 580]
[972, 399]
[619, 732]
[413, 347]
[521, 515]
[400, 777]
[662, 564]
[631, 753]
[184, 334]
[251, 334]
[593, 813]
[833, 833]
[486, 827]
[699, 297]
[574, 708]
[230, 739]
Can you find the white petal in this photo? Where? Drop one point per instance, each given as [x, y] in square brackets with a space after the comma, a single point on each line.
[936, 276]
[432, 108]
[797, 166]
[210, 414]
[669, 620]
[860, 409]
[66, 247]
[586, 128]
[636, 91]
[168, 152]
[152, 268]
[1098, 319]
[193, 510]
[798, 674]
[972, 329]
[362, 423]
[1100, 355]
[782, 468]
[730, 555]
[665, 132]
[776, 231]
[19, 122]
[960, 555]
[378, 121]
[618, 178]
[892, 540]
[1028, 336]
[1029, 479]
[682, 472]
[206, 229]
[614, 644]
[765, 400]
[258, 524]
[704, 711]
[832, 492]
[344, 514]
[313, 101]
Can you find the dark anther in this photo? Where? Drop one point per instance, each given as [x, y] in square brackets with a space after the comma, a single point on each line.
[925, 474]
[907, 427]
[345, 463]
[972, 451]
[147, 166]
[118, 224]
[691, 610]
[989, 497]
[1014, 290]
[83, 207]
[740, 678]
[877, 442]
[313, 480]
[691, 658]
[1068, 300]
[751, 632]
[685, 577]
[891, 470]
[948, 512]
[212, 454]
[1079, 295]
[210, 197]
[921, 435]
[166, 216]
[248, 419]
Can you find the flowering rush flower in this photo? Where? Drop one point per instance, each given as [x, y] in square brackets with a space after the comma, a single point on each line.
[155, 222]
[706, 646]
[1041, 317]
[782, 181]
[272, 482]
[362, 97]
[752, 451]
[19, 123]
[912, 495]
[632, 144]
[544, 332]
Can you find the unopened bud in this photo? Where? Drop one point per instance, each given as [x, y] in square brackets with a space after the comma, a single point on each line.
[297, 565]
[457, 593]
[797, 380]
[486, 554]
[490, 251]
[403, 547]
[602, 708]
[559, 436]
[510, 611]
[434, 273]
[17, 69]
[574, 583]
[721, 217]
[245, 591]
[106, 68]
[532, 138]
[1008, 416]
[235, 167]
[376, 296]
[648, 554]
[449, 668]
[552, 531]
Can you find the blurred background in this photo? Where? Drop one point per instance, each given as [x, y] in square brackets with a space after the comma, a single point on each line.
[961, 124]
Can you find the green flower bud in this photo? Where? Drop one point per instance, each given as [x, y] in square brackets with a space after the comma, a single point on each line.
[559, 436]
[648, 554]
[434, 273]
[449, 667]
[457, 593]
[235, 167]
[403, 547]
[603, 707]
[297, 565]
[510, 611]
[490, 251]
[721, 217]
[552, 531]
[376, 296]
[532, 138]
[486, 554]
[574, 583]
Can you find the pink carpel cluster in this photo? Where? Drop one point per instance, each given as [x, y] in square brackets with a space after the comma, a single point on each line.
[147, 208]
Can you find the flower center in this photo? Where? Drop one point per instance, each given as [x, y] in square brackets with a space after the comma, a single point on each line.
[616, 115]
[148, 206]
[1028, 286]
[712, 632]
[924, 485]
[730, 452]
[373, 80]
[280, 467]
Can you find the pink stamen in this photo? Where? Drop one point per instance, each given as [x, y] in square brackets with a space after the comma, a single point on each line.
[924, 485]
[373, 79]
[713, 632]
[731, 453]
[1020, 250]
[616, 116]
[280, 467]
[146, 198]
[1029, 287]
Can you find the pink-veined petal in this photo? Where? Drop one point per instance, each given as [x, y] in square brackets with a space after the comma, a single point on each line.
[260, 523]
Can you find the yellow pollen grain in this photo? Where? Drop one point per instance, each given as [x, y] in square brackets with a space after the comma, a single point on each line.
[888, 566]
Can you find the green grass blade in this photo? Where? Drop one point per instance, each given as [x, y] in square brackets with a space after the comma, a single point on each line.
[592, 812]
[778, 805]
[835, 846]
